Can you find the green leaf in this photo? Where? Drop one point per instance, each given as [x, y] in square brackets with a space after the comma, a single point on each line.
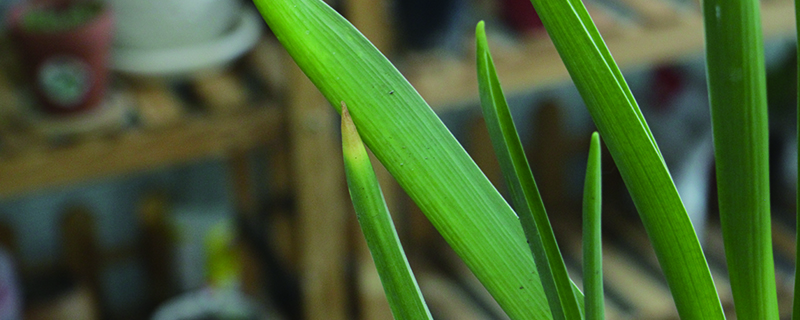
[737, 93]
[592, 234]
[402, 291]
[635, 153]
[522, 187]
[415, 146]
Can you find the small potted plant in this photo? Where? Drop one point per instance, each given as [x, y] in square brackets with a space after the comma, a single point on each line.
[64, 45]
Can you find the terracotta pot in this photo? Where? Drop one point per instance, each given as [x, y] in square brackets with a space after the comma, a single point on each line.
[68, 69]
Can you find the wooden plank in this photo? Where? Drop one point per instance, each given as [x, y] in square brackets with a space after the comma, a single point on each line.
[81, 249]
[612, 310]
[649, 298]
[480, 149]
[447, 300]
[654, 13]
[156, 104]
[450, 84]
[195, 138]
[320, 197]
[465, 277]
[267, 60]
[221, 91]
[372, 18]
[784, 241]
[155, 247]
[8, 241]
[243, 185]
[548, 156]
[635, 237]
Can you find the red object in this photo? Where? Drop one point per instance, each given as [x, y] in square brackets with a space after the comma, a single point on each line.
[68, 69]
[669, 82]
[521, 15]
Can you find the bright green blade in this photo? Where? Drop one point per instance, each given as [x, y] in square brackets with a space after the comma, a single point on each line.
[738, 97]
[402, 291]
[796, 303]
[522, 187]
[416, 148]
[592, 234]
[635, 153]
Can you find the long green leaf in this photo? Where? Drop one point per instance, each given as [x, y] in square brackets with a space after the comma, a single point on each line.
[416, 148]
[639, 160]
[402, 291]
[738, 96]
[592, 234]
[522, 187]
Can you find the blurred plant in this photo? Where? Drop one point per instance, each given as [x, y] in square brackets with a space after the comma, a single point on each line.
[57, 18]
[414, 145]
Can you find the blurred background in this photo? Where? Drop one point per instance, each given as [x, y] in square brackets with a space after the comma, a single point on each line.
[165, 159]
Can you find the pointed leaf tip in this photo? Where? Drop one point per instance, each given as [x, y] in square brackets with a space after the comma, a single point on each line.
[351, 140]
[480, 36]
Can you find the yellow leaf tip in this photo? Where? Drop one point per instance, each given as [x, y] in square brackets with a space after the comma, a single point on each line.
[344, 110]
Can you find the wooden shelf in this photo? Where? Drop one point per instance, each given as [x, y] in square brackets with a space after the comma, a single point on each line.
[139, 149]
[662, 33]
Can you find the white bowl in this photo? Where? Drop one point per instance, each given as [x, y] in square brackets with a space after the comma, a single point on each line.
[176, 61]
[170, 23]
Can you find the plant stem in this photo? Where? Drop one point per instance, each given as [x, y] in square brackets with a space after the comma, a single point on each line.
[632, 146]
[409, 139]
[592, 234]
[402, 291]
[737, 93]
[522, 187]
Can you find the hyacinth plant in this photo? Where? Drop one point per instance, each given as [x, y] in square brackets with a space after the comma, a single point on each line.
[504, 246]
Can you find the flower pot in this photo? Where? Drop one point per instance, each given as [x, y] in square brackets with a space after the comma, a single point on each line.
[68, 68]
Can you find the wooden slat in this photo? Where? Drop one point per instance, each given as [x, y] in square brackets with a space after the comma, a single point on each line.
[447, 300]
[319, 191]
[612, 310]
[449, 83]
[81, 249]
[267, 60]
[221, 91]
[649, 298]
[654, 13]
[134, 151]
[156, 104]
[156, 246]
[607, 22]
[548, 156]
[480, 149]
[636, 239]
[784, 241]
[373, 18]
[243, 186]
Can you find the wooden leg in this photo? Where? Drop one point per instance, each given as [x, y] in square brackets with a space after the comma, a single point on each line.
[81, 252]
[243, 185]
[373, 19]
[548, 156]
[320, 196]
[480, 148]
